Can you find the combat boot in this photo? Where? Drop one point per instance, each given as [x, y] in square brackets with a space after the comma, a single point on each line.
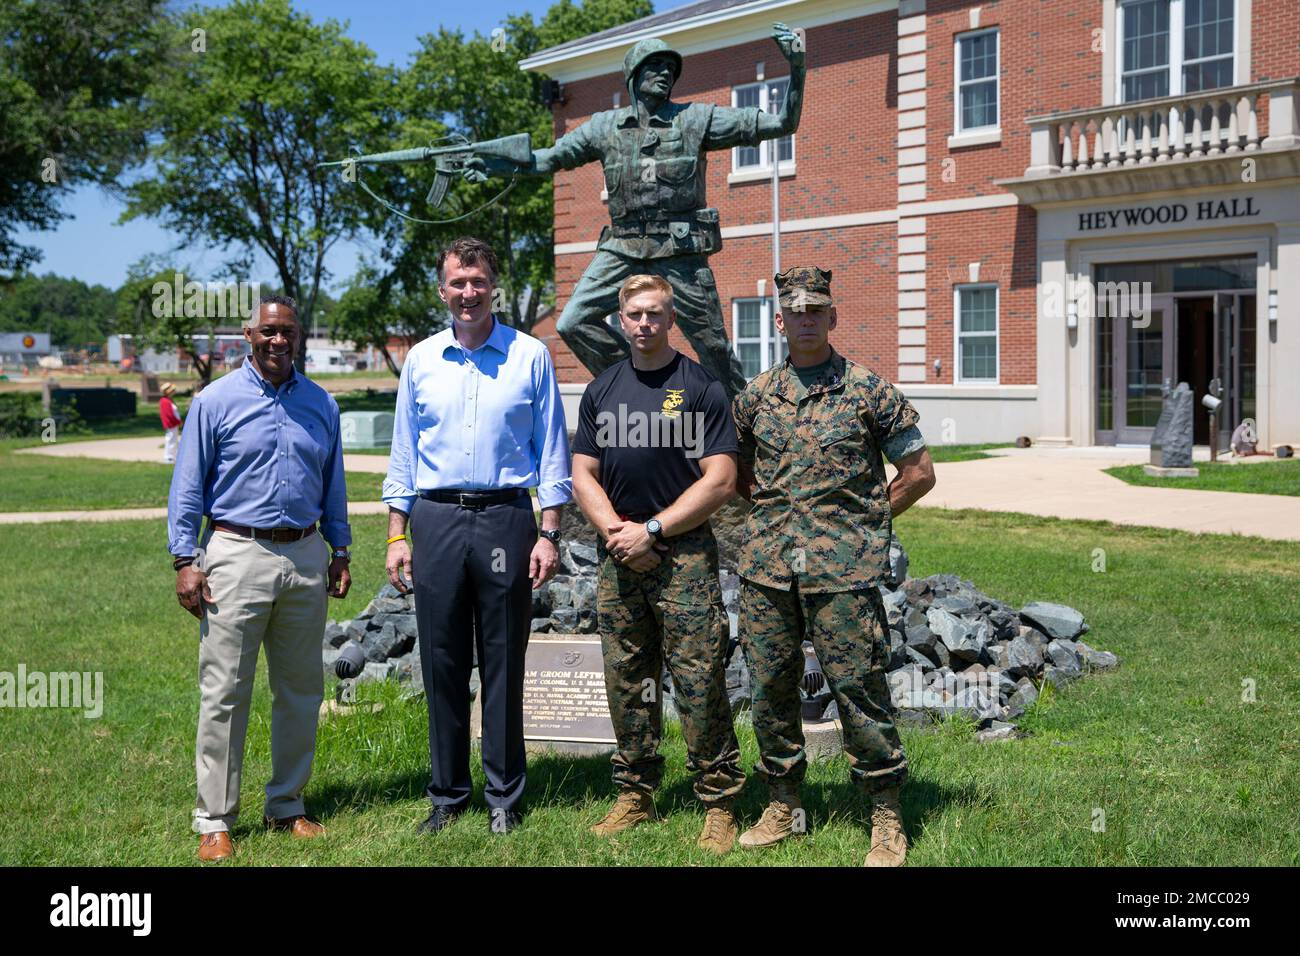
[719, 833]
[888, 841]
[631, 808]
[778, 820]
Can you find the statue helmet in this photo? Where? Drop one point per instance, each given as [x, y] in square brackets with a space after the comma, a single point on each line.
[644, 50]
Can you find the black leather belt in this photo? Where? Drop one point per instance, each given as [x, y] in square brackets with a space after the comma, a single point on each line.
[474, 499]
[266, 534]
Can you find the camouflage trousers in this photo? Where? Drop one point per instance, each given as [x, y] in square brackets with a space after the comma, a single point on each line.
[673, 615]
[850, 635]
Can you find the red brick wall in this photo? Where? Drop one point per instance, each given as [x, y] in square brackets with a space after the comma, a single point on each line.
[846, 161]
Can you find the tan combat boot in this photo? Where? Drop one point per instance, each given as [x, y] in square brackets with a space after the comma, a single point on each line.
[719, 833]
[631, 807]
[888, 841]
[778, 820]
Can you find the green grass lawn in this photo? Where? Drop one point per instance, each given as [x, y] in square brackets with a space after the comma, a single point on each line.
[1263, 478]
[46, 483]
[1185, 772]
[963, 452]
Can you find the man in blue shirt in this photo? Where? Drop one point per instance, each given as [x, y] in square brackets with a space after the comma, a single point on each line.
[478, 422]
[262, 459]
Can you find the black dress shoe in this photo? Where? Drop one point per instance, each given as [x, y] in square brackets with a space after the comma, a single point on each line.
[438, 819]
[504, 821]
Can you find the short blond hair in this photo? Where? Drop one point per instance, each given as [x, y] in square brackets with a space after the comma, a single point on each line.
[644, 283]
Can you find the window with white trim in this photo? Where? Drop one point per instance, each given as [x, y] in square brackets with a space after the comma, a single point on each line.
[976, 56]
[754, 337]
[976, 307]
[768, 96]
[1171, 47]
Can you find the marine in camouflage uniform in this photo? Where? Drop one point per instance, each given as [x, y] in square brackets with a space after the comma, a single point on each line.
[654, 155]
[816, 544]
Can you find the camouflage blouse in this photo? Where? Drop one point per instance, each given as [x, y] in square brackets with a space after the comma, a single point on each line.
[820, 511]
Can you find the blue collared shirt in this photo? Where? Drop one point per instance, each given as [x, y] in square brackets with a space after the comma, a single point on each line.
[487, 418]
[255, 455]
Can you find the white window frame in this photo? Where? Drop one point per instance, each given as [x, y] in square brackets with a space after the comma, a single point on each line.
[1177, 21]
[766, 148]
[769, 339]
[981, 133]
[957, 377]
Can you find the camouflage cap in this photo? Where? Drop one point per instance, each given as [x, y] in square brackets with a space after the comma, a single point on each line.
[642, 51]
[804, 287]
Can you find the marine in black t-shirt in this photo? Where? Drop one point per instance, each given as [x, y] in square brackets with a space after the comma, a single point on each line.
[649, 430]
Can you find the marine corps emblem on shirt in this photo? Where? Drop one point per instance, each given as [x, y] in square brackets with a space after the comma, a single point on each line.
[673, 400]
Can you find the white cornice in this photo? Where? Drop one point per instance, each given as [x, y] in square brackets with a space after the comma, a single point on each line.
[699, 34]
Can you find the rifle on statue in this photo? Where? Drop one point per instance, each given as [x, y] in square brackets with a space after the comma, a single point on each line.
[507, 153]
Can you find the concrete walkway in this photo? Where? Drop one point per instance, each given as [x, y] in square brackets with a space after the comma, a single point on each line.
[1072, 483]
[1050, 482]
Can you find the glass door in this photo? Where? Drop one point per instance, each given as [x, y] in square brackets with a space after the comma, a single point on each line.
[1143, 368]
[1227, 333]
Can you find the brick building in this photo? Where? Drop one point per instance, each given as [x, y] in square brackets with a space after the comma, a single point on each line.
[1037, 212]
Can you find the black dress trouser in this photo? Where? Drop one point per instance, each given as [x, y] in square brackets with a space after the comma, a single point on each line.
[471, 564]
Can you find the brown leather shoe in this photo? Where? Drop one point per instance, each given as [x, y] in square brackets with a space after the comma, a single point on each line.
[215, 846]
[300, 827]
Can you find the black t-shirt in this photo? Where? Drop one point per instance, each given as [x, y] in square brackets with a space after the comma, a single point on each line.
[650, 429]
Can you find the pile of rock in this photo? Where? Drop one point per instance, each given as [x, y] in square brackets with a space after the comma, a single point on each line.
[953, 649]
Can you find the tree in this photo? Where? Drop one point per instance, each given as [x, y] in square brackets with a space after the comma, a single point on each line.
[75, 314]
[366, 317]
[243, 112]
[474, 87]
[72, 74]
[149, 312]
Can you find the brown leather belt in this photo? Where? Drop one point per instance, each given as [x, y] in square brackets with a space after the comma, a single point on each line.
[279, 535]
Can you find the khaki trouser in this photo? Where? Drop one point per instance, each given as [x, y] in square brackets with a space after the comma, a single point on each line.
[262, 593]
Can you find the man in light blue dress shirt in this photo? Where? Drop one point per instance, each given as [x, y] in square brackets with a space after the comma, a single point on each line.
[478, 422]
[263, 460]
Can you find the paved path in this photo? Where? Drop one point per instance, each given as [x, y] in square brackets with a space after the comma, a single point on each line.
[1051, 482]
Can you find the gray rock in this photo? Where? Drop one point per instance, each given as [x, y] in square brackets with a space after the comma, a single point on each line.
[581, 555]
[999, 681]
[959, 604]
[920, 636]
[1023, 697]
[542, 601]
[996, 731]
[897, 656]
[406, 626]
[382, 644]
[1064, 658]
[1055, 620]
[1171, 442]
[587, 621]
[976, 702]
[540, 625]
[1034, 636]
[1024, 658]
[327, 658]
[1056, 676]
[964, 641]
[390, 605]
[897, 562]
[941, 654]
[375, 670]
[336, 634]
[905, 681]
[926, 699]
[1005, 623]
[914, 617]
[1097, 660]
[919, 659]
[561, 594]
[895, 603]
[998, 654]
[584, 593]
[564, 620]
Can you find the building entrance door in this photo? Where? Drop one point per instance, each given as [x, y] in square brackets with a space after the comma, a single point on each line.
[1143, 366]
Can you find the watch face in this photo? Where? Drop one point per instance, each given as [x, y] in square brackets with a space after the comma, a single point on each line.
[653, 526]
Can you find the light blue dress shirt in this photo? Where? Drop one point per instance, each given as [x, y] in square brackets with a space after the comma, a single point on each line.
[489, 418]
[259, 456]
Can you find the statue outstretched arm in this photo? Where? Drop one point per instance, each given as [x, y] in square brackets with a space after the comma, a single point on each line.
[575, 148]
[772, 125]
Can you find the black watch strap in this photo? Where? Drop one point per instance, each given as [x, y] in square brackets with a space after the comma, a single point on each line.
[551, 536]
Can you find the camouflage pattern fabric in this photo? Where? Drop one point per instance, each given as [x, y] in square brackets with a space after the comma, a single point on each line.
[820, 518]
[849, 633]
[671, 615]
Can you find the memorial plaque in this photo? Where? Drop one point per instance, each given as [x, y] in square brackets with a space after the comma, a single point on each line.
[564, 691]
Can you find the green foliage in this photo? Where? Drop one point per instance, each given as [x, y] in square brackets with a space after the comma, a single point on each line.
[366, 317]
[151, 321]
[21, 416]
[473, 86]
[75, 314]
[250, 98]
[72, 73]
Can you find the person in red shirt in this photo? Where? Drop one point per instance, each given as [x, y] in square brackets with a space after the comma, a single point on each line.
[171, 423]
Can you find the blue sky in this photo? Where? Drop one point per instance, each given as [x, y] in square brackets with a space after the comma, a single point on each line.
[92, 247]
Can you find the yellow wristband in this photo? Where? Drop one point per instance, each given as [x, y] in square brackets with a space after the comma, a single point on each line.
[397, 537]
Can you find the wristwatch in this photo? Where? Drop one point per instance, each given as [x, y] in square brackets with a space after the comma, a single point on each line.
[656, 529]
[341, 553]
[551, 536]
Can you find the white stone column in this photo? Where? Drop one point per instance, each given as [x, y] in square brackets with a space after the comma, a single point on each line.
[1283, 396]
[1053, 347]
